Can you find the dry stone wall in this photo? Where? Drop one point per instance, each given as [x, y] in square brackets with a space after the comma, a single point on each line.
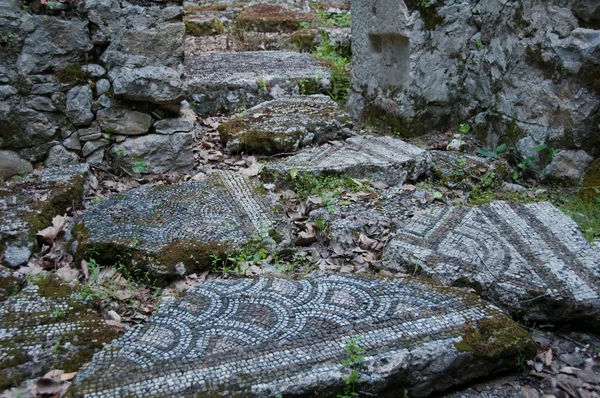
[522, 73]
[76, 80]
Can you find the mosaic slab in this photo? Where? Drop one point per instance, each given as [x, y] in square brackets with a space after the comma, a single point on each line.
[377, 158]
[228, 82]
[265, 337]
[44, 326]
[530, 259]
[28, 204]
[173, 230]
[285, 124]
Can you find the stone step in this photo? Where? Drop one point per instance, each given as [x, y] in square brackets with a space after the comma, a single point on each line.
[285, 124]
[280, 337]
[233, 82]
[173, 230]
[28, 204]
[386, 159]
[529, 259]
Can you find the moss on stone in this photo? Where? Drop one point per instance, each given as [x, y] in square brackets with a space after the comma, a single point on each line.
[272, 18]
[496, 338]
[196, 256]
[70, 74]
[253, 139]
[399, 126]
[429, 12]
[52, 287]
[200, 27]
[590, 191]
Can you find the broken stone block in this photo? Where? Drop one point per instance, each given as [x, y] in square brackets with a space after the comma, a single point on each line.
[529, 259]
[273, 18]
[28, 205]
[45, 326]
[384, 159]
[282, 337]
[173, 230]
[226, 82]
[124, 122]
[285, 124]
[155, 84]
[196, 25]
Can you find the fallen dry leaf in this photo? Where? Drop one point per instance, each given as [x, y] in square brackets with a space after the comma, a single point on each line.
[47, 235]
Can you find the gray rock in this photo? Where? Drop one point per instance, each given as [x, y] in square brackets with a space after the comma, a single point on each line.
[509, 69]
[312, 325]
[226, 82]
[161, 153]
[92, 146]
[509, 187]
[587, 10]
[158, 85]
[124, 122]
[43, 104]
[531, 260]
[95, 158]
[567, 167]
[60, 156]
[384, 159]
[217, 215]
[72, 142]
[171, 126]
[79, 105]
[90, 133]
[102, 87]
[104, 101]
[285, 124]
[93, 70]
[45, 88]
[16, 256]
[11, 164]
[55, 43]
[7, 91]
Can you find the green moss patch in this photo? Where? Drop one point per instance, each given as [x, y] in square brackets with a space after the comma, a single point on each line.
[199, 26]
[70, 74]
[590, 191]
[428, 10]
[496, 338]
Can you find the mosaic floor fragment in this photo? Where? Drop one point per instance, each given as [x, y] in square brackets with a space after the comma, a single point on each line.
[265, 337]
[377, 158]
[528, 258]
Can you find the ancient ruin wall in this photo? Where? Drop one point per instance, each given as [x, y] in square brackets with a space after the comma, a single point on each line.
[523, 73]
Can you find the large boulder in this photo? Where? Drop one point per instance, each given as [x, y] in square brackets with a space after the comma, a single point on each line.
[281, 337]
[531, 260]
[173, 230]
[11, 164]
[285, 124]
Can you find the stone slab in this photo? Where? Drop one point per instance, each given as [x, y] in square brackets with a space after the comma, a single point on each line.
[28, 204]
[285, 124]
[228, 82]
[530, 259]
[377, 158]
[44, 326]
[172, 230]
[279, 337]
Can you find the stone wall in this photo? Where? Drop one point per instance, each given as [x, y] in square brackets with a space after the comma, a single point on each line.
[94, 80]
[523, 73]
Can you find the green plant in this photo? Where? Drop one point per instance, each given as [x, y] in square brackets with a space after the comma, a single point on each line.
[355, 356]
[464, 128]
[479, 44]
[262, 84]
[340, 19]
[139, 165]
[119, 153]
[528, 161]
[252, 253]
[304, 25]
[340, 69]
[495, 154]
[585, 214]
[96, 200]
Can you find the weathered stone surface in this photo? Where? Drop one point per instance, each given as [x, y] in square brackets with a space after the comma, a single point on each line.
[514, 71]
[124, 122]
[90, 133]
[28, 205]
[43, 104]
[225, 82]
[171, 126]
[11, 164]
[93, 70]
[45, 326]
[60, 156]
[587, 10]
[55, 43]
[270, 337]
[590, 191]
[285, 124]
[379, 159]
[273, 18]
[208, 25]
[92, 146]
[164, 226]
[155, 84]
[529, 259]
[567, 167]
[102, 87]
[79, 105]
[160, 153]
